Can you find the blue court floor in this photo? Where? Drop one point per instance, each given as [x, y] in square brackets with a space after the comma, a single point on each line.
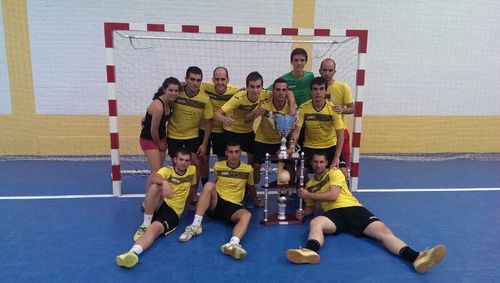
[75, 233]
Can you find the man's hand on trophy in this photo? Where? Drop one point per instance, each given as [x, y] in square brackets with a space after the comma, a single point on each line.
[299, 214]
[303, 193]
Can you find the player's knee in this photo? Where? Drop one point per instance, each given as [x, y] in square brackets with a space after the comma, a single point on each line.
[156, 228]
[315, 223]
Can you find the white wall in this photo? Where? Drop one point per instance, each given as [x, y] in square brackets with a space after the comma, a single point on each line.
[424, 57]
[5, 101]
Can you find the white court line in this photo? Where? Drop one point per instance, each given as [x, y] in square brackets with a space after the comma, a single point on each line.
[271, 192]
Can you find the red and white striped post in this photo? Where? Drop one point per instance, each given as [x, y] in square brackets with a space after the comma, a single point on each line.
[110, 72]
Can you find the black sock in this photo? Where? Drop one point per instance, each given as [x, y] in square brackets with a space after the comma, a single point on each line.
[408, 253]
[204, 181]
[313, 245]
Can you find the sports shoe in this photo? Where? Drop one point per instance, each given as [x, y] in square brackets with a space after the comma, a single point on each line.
[300, 256]
[191, 230]
[429, 257]
[142, 229]
[127, 260]
[234, 250]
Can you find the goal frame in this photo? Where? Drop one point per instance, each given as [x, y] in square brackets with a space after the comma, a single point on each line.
[358, 89]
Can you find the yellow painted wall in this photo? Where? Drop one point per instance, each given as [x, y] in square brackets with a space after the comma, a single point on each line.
[26, 133]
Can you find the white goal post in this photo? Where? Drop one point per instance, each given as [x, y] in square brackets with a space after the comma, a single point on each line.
[140, 56]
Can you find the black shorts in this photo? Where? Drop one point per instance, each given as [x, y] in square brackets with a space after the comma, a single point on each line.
[224, 209]
[190, 144]
[260, 149]
[216, 143]
[167, 217]
[353, 219]
[330, 152]
[245, 140]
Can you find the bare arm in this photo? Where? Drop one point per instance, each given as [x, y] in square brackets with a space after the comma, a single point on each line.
[221, 117]
[330, 195]
[259, 111]
[206, 136]
[156, 112]
[291, 102]
[348, 108]
[338, 148]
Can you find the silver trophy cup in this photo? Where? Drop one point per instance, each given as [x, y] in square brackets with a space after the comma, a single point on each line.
[283, 123]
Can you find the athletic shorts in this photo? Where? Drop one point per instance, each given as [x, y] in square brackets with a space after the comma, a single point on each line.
[260, 150]
[167, 217]
[150, 144]
[346, 149]
[353, 219]
[174, 145]
[224, 209]
[216, 143]
[245, 140]
[309, 152]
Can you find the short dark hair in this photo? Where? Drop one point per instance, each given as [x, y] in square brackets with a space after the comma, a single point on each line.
[321, 153]
[232, 143]
[194, 70]
[298, 51]
[254, 76]
[183, 151]
[319, 81]
[279, 80]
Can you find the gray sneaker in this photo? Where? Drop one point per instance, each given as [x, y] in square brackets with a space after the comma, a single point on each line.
[234, 250]
[190, 231]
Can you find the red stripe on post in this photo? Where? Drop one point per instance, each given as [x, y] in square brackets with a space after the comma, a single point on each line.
[115, 141]
[358, 109]
[115, 170]
[222, 29]
[256, 30]
[363, 38]
[289, 31]
[360, 77]
[108, 32]
[356, 140]
[110, 73]
[190, 28]
[354, 169]
[156, 27]
[321, 32]
[113, 111]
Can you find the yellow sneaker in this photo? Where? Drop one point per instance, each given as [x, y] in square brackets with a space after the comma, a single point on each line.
[127, 260]
[299, 256]
[142, 229]
[234, 250]
[428, 258]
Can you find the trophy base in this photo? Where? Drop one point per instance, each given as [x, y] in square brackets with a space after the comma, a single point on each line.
[273, 220]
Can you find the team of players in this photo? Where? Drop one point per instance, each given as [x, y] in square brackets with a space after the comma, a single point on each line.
[220, 117]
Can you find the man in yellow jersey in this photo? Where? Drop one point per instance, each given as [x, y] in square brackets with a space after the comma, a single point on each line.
[343, 212]
[222, 200]
[340, 94]
[191, 107]
[267, 139]
[220, 91]
[323, 127]
[164, 204]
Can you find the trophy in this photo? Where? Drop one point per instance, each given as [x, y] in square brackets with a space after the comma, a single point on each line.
[284, 123]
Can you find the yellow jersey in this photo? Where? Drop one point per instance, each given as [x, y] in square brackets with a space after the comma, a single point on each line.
[180, 185]
[238, 107]
[231, 183]
[320, 125]
[187, 113]
[217, 100]
[333, 177]
[339, 93]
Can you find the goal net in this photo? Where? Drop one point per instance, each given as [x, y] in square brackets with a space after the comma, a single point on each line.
[143, 59]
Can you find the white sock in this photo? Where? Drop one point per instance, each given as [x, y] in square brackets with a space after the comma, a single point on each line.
[147, 219]
[197, 220]
[234, 240]
[136, 249]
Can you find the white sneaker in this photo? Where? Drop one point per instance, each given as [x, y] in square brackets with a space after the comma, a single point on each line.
[191, 230]
[234, 250]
